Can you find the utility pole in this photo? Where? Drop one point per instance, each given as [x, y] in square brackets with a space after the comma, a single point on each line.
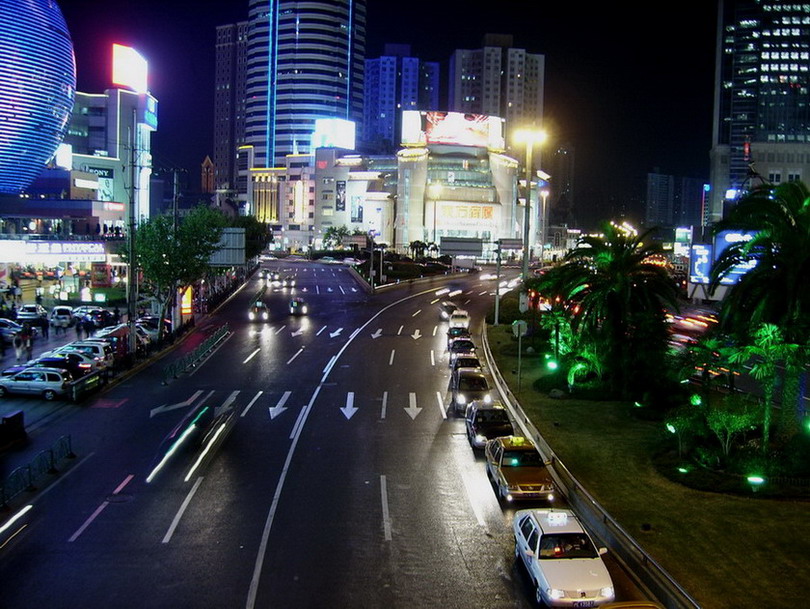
[132, 267]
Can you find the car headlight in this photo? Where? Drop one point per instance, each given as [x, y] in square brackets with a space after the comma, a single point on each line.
[265, 315]
[487, 399]
[480, 439]
[555, 594]
[607, 591]
[251, 316]
[461, 399]
[304, 310]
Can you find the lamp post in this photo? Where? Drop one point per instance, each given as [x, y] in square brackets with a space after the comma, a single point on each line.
[543, 219]
[529, 137]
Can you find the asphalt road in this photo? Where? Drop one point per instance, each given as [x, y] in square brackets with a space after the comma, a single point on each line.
[308, 462]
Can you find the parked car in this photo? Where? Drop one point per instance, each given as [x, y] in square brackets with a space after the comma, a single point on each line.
[485, 421]
[516, 469]
[151, 323]
[102, 353]
[466, 385]
[78, 364]
[564, 564]
[49, 383]
[9, 328]
[34, 314]
[62, 316]
[458, 332]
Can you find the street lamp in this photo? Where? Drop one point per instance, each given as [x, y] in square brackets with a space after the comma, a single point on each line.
[529, 137]
[543, 219]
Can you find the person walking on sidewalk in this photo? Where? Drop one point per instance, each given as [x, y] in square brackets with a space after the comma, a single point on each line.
[46, 329]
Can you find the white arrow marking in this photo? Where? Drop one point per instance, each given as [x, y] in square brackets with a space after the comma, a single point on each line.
[279, 408]
[164, 408]
[377, 334]
[328, 289]
[298, 332]
[336, 332]
[226, 405]
[416, 335]
[354, 289]
[412, 409]
[348, 410]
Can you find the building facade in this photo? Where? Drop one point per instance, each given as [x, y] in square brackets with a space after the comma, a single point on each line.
[762, 116]
[673, 201]
[229, 100]
[305, 61]
[394, 82]
[498, 80]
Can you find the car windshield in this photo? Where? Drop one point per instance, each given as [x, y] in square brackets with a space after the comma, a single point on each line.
[521, 458]
[468, 362]
[473, 383]
[463, 345]
[566, 545]
[492, 416]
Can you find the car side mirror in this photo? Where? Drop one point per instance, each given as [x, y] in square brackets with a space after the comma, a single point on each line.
[602, 551]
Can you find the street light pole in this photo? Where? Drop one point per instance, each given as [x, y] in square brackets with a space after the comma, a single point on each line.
[527, 209]
[543, 219]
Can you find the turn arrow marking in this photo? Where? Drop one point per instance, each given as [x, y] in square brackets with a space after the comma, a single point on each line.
[279, 408]
[336, 332]
[298, 332]
[165, 408]
[348, 410]
[412, 409]
[377, 334]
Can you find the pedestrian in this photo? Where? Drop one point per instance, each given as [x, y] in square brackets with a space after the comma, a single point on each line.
[18, 346]
[46, 329]
[13, 310]
[29, 347]
[89, 327]
[116, 316]
[78, 329]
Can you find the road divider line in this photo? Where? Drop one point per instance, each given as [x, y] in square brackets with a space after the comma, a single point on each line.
[123, 484]
[296, 355]
[399, 332]
[87, 522]
[168, 536]
[252, 355]
[318, 333]
[384, 405]
[253, 401]
[435, 329]
[440, 402]
[417, 313]
[391, 359]
[298, 422]
[385, 513]
[432, 358]
[280, 329]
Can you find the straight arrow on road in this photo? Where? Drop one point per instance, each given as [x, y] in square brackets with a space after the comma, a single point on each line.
[348, 410]
[416, 335]
[412, 409]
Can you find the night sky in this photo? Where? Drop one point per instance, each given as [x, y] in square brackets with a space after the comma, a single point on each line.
[631, 90]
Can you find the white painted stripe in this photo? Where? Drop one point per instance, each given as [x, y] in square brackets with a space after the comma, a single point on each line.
[341, 289]
[318, 333]
[385, 513]
[391, 359]
[440, 402]
[251, 356]
[417, 313]
[168, 536]
[87, 522]
[280, 329]
[298, 422]
[432, 358]
[435, 329]
[384, 404]
[123, 484]
[434, 301]
[476, 507]
[253, 401]
[399, 332]
[296, 355]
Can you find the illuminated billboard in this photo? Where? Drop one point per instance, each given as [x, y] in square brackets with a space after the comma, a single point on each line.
[333, 133]
[725, 238]
[130, 69]
[455, 128]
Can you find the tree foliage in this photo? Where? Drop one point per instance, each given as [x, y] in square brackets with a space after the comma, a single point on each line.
[256, 234]
[334, 236]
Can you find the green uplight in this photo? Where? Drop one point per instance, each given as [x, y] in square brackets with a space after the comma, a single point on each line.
[756, 480]
[695, 400]
[683, 470]
[638, 405]
[671, 428]
[552, 365]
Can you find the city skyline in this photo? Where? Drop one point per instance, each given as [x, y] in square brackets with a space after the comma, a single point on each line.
[629, 98]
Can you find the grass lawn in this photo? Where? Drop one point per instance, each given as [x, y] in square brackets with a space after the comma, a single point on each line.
[726, 551]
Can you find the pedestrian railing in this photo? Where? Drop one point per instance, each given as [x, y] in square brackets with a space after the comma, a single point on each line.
[191, 360]
[25, 478]
[647, 572]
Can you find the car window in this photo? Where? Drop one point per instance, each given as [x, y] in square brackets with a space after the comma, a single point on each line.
[521, 458]
[28, 375]
[53, 377]
[526, 527]
[567, 545]
[492, 416]
[532, 540]
[473, 383]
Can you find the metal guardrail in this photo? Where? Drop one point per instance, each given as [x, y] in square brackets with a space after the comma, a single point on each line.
[636, 561]
[187, 362]
[24, 478]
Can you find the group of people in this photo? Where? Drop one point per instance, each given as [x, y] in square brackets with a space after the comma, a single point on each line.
[23, 343]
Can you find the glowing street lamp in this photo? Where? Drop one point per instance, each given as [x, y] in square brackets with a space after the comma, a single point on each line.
[530, 138]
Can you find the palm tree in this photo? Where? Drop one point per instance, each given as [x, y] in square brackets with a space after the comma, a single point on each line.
[776, 290]
[621, 294]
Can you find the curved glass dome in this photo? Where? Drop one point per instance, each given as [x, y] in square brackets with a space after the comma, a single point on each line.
[37, 88]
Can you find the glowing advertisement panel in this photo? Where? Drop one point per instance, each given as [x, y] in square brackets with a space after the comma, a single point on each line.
[454, 128]
[51, 252]
[721, 241]
[464, 216]
[700, 263]
[130, 69]
[334, 133]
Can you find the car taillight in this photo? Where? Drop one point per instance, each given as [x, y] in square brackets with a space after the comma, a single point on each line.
[84, 366]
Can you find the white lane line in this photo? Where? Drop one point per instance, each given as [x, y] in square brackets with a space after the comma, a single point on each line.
[253, 401]
[341, 290]
[482, 293]
[168, 536]
[271, 515]
[317, 289]
[440, 402]
[399, 332]
[280, 329]
[318, 333]
[296, 355]
[417, 313]
[123, 484]
[435, 329]
[298, 422]
[434, 301]
[467, 301]
[384, 405]
[252, 355]
[385, 514]
[87, 522]
[391, 359]
[432, 358]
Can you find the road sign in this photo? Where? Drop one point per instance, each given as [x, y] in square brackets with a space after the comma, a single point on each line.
[519, 328]
[523, 302]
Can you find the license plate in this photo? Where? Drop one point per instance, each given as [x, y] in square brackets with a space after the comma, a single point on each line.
[583, 603]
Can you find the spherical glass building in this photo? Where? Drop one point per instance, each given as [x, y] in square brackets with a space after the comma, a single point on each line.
[37, 88]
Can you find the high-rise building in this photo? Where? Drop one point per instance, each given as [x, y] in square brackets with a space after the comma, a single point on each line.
[761, 115]
[499, 80]
[305, 61]
[229, 100]
[673, 201]
[394, 82]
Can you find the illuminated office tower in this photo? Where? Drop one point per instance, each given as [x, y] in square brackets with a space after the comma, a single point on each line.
[305, 61]
[761, 111]
[229, 100]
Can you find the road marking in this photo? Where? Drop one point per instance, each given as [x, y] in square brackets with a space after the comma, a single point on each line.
[435, 329]
[162, 409]
[432, 358]
[440, 402]
[377, 334]
[434, 301]
[417, 313]
[341, 290]
[226, 405]
[252, 355]
[87, 522]
[253, 401]
[168, 536]
[279, 407]
[296, 355]
[318, 333]
[471, 496]
[280, 329]
[399, 332]
[123, 484]
[391, 359]
[348, 410]
[384, 404]
[483, 293]
[413, 410]
[385, 513]
[298, 423]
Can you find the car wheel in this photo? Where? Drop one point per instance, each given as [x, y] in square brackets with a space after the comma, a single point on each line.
[49, 394]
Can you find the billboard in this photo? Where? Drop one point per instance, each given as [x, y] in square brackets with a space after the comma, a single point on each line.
[130, 69]
[455, 128]
[721, 241]
[333, 133]
[700, 263]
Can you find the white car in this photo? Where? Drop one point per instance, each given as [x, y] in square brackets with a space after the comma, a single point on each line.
[62, 316]
[459, 319]
[561, 559]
